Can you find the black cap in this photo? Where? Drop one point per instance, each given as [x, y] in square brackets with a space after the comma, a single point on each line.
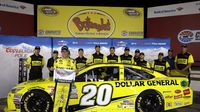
[184, 45]
[64, 48]
[127, 49]
[97, 46]
[170, 50]
[137, 51]
[80, 49]
[112, 47]
[37, 47]
[55, 51]
[160, 53]
[141, 53]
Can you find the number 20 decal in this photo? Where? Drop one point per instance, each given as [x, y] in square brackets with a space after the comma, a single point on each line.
[102, 95]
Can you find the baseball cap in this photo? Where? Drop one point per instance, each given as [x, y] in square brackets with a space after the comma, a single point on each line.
[127, 49]
[184, 45]
[80, 49]
[97, 46]
[64, 48]
[137, 51]
[160, 53]
[141, 53]
[37, 47]
[112, 47]
[170, 50]
[55, 51]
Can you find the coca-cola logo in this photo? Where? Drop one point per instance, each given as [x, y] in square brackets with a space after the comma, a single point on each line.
[49, 11]
[91, 23]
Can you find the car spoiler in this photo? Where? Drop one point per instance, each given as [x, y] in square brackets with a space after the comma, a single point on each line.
[178, 73]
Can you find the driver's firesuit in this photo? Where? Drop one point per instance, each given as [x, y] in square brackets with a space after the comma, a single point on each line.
[63, 88]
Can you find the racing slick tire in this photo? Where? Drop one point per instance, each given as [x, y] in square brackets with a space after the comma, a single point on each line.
[36, 101]
[149, 101]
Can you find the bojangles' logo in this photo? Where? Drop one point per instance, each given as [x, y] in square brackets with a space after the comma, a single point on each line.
[91, 23]
[87, 24]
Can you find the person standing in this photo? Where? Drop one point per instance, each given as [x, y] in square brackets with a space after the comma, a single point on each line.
[184, 61]
[81, 61]
[142, 62]
[50, 63]
[35, 63]
[170, 59]
[97, 57]
[126, 57]
[137, 55]
[161, 65]
[63, 88]
[112, 58]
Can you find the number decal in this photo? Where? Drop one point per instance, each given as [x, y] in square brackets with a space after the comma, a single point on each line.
[90, 91]
[102, 96]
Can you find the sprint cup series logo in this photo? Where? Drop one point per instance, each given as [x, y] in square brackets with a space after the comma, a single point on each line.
[185, 36]
[91, 23]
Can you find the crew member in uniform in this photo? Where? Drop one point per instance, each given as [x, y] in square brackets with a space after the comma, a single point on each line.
[112, 58]
[81, 61]
[63, 88]
[170, 59]
[142, 62]
[97, 57]
[35, 63]
[51, 62]
[161, 65]
[184, 61]
[137, 55]
[126, 57]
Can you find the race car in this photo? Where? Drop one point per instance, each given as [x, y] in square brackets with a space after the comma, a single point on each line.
[106, 87]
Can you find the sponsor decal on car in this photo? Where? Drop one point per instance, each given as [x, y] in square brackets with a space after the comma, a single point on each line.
[186, 96]
[127, 104]
[177, 91]
[178, 103]
[169, 104]
[167, 91]
[74, 92]
[186, 103]
[186, 92]
[36, 87]
[169, 97]
[148, 83]
[178, 96]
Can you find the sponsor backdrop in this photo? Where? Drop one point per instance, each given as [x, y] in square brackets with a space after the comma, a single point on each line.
[16, 18]
[90, 22]
[14, 47]
[180, 22]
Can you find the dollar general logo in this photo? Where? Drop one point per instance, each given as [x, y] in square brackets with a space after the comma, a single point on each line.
[91, 23]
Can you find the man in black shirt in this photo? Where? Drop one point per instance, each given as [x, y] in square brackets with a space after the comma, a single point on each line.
[137, 55]
[142, 62]
[112, 58]
[81, 61]
[51, 62]
[35, 63]
[97, 57]
[126, 57]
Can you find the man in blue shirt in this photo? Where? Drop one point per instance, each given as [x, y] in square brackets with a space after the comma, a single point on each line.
[170, 59]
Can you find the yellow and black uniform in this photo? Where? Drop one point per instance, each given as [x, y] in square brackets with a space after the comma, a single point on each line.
[127, 59]
[97, 58]
[136, 59]
[143, 63]
[160, 66]
[81, 62]
[62, 88]
[182, 60]
[113, 58]
[36, 64]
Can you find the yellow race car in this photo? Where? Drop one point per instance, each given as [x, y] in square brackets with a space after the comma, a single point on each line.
[106, 87]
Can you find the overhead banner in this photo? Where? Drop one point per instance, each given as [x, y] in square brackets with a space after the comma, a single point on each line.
[90, 22]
